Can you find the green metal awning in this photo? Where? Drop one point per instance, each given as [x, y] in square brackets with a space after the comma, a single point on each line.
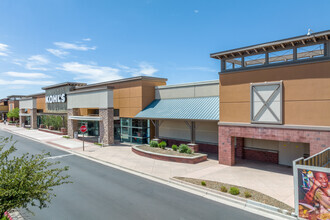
[203, 108]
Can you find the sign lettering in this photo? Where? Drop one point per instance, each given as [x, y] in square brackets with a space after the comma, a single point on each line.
[55, 98]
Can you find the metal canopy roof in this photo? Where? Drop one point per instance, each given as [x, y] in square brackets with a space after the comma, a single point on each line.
[203, 108]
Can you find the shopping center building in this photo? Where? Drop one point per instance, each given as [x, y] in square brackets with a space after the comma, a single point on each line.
[3, 109]
[275, 100]
[271, 103]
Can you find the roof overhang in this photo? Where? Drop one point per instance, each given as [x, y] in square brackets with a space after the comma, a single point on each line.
[85, 118]
[189, 109]
[303, 40]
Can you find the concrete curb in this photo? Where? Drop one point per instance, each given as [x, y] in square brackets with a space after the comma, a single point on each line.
[244, 202]
[250, 206]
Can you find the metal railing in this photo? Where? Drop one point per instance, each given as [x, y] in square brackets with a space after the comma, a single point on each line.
[320, 159]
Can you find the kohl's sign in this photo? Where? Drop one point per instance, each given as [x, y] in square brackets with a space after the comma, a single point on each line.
[55, 98]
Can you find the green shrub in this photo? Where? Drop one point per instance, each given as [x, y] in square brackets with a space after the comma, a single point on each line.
[4, 218]
[162, 144]
[189, 151]
[65, 136]
[183, 148]
[99, 144]
[174, 147]
[203, 183]
[223, 189]
[234, 190]
[247, 194]
[153, 144]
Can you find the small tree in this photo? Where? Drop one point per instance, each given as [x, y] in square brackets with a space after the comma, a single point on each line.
[26, 180]
[14, 114]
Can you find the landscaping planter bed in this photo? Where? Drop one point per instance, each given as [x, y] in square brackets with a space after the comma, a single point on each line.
[168, 155]
[255, 195]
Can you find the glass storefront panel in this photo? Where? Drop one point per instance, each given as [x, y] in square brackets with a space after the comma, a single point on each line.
[117, 131]
[135, 130]
[92, 128]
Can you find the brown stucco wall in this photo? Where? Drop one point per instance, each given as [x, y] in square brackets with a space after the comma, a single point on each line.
[131, 97]
[13, 104]
[41, 103]
[306, 93]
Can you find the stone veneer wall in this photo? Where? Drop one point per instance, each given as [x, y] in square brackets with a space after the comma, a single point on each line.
[106, 126]
[318, 140]
[33, 113]
[72, 124]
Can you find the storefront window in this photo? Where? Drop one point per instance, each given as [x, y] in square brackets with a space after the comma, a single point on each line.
[92, 127]
[135, 131]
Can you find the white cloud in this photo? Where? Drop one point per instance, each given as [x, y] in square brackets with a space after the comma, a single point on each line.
[70, 46]
[25, 82]
[4, 50]
[27, 75]
[91, 72]
[58, 53]
[87, 39]
[144, 69]
[36, 62]
[196, 11]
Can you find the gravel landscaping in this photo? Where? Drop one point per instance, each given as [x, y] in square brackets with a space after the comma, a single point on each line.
[256, 196]
[166, 151]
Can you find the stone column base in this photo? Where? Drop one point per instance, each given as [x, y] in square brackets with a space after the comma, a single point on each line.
[193, 147]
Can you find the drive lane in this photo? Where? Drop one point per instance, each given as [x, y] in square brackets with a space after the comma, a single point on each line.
[102, 192]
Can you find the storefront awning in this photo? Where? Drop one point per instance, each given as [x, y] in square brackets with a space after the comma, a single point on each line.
[24, 114]
[85, 118]
[204, 108]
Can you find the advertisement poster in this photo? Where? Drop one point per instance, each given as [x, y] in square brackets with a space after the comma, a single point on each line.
[314, 194]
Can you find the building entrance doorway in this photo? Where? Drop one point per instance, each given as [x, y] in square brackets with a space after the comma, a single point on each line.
[92, 127]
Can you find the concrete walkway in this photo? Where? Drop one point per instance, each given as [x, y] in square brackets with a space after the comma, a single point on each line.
[273, 180]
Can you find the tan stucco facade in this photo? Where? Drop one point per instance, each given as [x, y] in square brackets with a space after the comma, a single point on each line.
[306, 93]
[131, 97]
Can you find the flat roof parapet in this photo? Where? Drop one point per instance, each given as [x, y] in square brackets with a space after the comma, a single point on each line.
[64, 84]
[210, 82]
[148, 78]
[303, 40]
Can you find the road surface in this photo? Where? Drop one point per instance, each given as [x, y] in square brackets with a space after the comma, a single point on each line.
[103, 192]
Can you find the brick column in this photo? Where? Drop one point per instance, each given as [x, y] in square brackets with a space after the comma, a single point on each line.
[33, 119]
[226, 147]
[106, 126]
[239, 147]
[72, 124]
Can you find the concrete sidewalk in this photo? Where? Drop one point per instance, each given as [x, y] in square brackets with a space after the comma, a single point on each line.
[273, 180]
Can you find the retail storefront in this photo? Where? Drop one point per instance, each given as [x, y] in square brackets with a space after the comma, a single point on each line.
[108, 109]
[275, 100]
[186, 114]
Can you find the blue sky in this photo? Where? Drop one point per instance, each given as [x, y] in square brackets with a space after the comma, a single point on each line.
[46, 41]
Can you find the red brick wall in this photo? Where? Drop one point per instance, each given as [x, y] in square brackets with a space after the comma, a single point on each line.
[209, 148]
[261, 156]
[239, 147]
[318, 140]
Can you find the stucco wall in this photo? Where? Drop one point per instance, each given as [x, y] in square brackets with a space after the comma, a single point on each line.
[203, 89]
[177, 129]
[306, 93]
[27, 104]
[93, 99]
